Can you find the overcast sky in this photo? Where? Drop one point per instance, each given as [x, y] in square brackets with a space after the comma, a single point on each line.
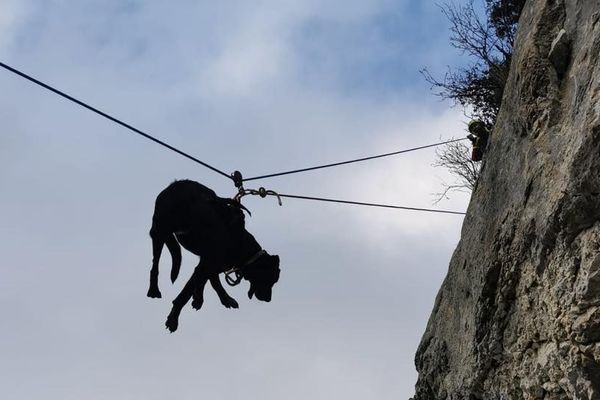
[258, 86]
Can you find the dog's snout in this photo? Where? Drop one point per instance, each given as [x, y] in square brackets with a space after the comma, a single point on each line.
[264, 296]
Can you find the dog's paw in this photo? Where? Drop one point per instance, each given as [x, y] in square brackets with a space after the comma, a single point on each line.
[172, 322]
[229, 302]
[197, 303]
[154, 293]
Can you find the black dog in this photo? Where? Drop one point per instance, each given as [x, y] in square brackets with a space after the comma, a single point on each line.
[213, 228]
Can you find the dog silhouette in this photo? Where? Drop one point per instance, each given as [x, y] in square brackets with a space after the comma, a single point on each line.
[191, 215]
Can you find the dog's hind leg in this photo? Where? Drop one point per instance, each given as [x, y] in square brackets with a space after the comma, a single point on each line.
[198, 279]
[226, 300]
[198, 292]
[157, 245]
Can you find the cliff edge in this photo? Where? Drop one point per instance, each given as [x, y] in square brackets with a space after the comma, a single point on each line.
[518, 315]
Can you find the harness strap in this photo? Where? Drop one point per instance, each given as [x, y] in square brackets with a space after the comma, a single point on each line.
[233, 280]
[234, 276]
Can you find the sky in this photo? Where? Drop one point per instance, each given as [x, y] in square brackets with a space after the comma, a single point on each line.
[260, 87]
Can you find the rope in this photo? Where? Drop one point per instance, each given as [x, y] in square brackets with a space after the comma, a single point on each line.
[295, 171]
[359, 203]
[113, 119]
[236, 176]
[262, 192]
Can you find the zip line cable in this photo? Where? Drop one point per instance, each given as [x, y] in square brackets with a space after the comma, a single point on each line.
[235, 178]
[295, 171]
[359, 203]
[262, 192]
[113, 119]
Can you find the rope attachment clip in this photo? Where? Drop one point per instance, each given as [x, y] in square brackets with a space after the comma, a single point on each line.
[262, 192]
[238, 181]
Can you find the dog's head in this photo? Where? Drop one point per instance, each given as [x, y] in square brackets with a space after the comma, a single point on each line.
[262, 275]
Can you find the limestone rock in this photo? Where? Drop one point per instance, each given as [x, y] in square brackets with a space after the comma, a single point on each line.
[530, 245]
[560, 52]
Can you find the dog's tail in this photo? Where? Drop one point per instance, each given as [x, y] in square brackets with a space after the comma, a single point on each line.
[175, 250]
[159, 239]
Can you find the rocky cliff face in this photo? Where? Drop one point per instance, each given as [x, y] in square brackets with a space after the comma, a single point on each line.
[518, 315]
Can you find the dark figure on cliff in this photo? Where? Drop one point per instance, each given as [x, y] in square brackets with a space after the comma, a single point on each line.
[478, 135]
[213, 228]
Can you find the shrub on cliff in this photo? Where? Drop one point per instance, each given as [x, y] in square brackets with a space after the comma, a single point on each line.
[488, 42]
[487, 37]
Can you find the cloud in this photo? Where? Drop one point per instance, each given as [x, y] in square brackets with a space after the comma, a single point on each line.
[248, 60]
[11, 14]
[238, 86]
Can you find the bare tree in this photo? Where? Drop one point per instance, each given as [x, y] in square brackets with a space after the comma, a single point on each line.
[456, 158]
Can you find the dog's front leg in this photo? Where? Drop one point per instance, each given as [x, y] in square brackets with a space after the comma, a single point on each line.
[199, 279]
[226, 299]
[208, 270]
